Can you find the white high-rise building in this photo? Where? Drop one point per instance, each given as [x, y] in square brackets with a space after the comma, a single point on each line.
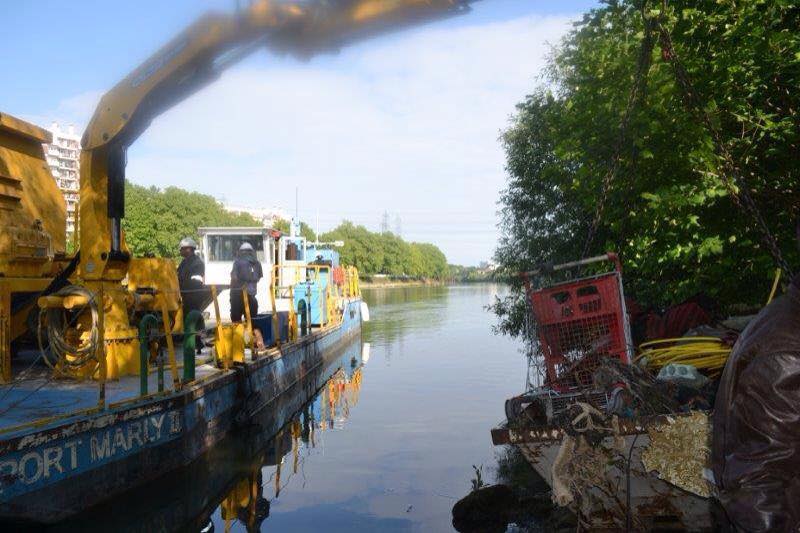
[63, 156]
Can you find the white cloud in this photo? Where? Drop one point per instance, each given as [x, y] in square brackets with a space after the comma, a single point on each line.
[408, 124]
[75, 110]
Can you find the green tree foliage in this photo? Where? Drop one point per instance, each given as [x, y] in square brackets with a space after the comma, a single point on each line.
[305, 229]
[386, 253]
[156, 220]
[668, 213]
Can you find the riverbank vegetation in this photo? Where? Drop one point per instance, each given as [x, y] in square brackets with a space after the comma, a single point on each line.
[157, 219]
[472, 274]
[668, 211]
[386, 253]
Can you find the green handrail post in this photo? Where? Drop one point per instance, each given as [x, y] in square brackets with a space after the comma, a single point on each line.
[190, 323]
[302, 310]
[148, 321]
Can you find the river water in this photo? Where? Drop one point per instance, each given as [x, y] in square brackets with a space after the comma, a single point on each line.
[389, 444]
[433, 386]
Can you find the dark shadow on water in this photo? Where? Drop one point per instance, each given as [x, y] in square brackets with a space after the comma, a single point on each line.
[519, 496]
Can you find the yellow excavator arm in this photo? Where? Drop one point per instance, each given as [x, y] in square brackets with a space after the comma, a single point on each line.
[193, 59]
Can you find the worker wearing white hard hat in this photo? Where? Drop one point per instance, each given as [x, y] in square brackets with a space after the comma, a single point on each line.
[192, 268]
[187, 243]
[191, 277]
[246, 273]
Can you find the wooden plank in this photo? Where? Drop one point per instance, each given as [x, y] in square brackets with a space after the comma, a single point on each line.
[500, 436]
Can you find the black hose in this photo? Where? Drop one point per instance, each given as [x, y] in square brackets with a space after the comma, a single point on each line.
[60, 281]
[62, 278]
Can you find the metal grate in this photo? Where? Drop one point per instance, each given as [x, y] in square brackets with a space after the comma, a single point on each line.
[576, 324]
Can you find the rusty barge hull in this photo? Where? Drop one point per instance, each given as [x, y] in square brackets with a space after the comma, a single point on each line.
[654, 503]
[51, 472]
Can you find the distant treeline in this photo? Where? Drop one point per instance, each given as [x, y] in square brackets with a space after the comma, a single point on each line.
[471, 274]
[386, 253]
[157, 219]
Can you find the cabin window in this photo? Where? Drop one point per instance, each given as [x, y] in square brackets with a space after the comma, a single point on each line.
[224, 247]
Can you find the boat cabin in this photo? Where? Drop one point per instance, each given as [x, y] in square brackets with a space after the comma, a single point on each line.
[218, 248]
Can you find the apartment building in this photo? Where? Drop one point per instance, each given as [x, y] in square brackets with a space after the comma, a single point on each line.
[63, 156]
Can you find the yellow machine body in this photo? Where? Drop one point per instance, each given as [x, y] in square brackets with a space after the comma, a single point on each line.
[33, 213]
[156, 275]
[33, 218]
[229, 343]
[152, 286]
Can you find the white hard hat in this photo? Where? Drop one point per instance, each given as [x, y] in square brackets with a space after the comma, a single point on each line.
[188, 242]
[246, 246]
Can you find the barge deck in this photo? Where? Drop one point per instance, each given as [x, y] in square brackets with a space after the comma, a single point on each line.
[61, 453]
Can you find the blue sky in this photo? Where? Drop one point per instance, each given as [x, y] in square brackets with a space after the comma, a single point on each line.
[406, 123]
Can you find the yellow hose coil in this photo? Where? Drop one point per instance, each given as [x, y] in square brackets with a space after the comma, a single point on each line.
[704, 353]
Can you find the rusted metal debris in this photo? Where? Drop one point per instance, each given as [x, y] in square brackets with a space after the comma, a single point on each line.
[590, 475]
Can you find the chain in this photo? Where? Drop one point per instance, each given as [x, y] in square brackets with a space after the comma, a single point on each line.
[732, 177]
[637, 90]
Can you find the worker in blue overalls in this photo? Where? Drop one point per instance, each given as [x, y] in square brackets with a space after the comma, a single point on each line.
[245, 274]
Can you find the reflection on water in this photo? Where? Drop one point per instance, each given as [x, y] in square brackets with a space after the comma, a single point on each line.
[247, 504]
[386, 446]
[403, 309]
[435, 384]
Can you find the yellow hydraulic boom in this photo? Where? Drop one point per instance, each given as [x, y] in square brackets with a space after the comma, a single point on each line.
[118, 285]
